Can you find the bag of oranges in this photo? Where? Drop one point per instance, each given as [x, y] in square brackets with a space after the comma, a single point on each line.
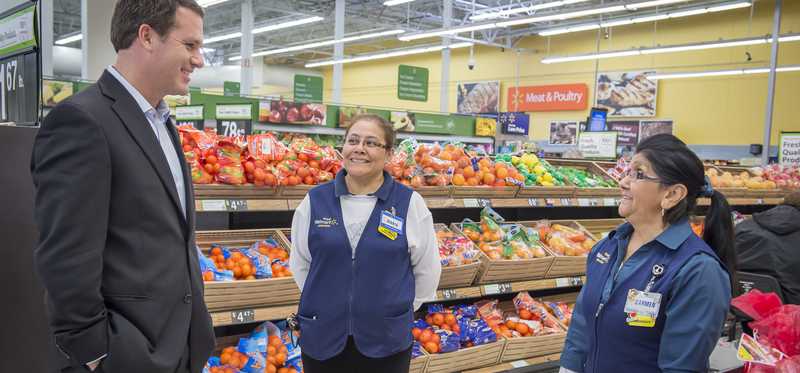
[229, 157]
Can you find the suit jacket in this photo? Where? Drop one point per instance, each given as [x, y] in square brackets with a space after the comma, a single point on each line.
[116, 255]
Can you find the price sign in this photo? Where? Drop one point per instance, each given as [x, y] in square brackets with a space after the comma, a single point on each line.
[243, 316]
[532, 202]
[497, 288]
[234, 120]
[191, 115]
[609, 202]
[568, 282]
[760, 201]
[549, 202]
[20, 68]
[566, 202]
[471, 202]
[213, 205]
[483, 202]
[583, 202]
[519, 363]
[449, 294]
[236, 205]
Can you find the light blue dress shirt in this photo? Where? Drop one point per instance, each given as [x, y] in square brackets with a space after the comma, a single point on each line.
[159, 120]
[699, 302]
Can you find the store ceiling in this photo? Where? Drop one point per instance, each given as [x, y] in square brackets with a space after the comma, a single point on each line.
[362, 16]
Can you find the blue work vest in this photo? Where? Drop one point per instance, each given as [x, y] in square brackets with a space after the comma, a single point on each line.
[614, 346]
[370, 296]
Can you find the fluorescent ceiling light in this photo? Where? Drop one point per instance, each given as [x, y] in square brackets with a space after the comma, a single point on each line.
[322, 43]
[396, 53]
[649, 4]
[657, 17]
[561, 16]
[671, 49]
[507, 12]
[450, 31]
[208, 3]
[69, 39]
[648, 18]
[396, 2]
[720, 8]
[263, 29]
[699, 74]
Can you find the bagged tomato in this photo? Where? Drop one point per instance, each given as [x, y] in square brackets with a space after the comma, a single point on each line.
[229, 155]
[530, 309]
[266, 147]
[197, 170]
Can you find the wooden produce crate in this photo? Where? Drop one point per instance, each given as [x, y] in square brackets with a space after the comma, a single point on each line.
[434, 191]
[239, 294]
[592, 168]
[504, 270]
[467, 358]
[524, 347]
[296, 191]
[419, 363]
[743, 191]
[221, 191]
[546, 192]
[564, 266]
[484, 192]
[461, 275]
[598, 227]
[284, 236]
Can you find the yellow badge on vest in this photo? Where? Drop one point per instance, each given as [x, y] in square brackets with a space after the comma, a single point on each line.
[391, 225]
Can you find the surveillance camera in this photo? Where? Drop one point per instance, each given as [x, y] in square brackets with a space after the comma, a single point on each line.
[471, 63]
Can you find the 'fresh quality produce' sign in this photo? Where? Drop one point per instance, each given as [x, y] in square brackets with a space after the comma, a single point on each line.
[598, 144]
[561, 97]
[412, 83]
[789, 149]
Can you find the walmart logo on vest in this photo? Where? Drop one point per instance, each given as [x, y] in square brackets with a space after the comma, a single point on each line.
[603, 257]
[326, 222]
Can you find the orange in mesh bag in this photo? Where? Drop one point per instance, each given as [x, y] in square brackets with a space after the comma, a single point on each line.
[229, 154]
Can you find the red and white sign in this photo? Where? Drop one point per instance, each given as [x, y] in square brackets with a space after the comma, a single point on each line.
[560, 97]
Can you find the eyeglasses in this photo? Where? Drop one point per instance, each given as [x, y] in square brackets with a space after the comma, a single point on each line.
[369, 142]
[639, 175]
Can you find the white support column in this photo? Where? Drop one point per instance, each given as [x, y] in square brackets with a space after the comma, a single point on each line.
[773, 63]
[46, 9]
[98, 52]
[444, 86]
[338, 51]
[246, 79]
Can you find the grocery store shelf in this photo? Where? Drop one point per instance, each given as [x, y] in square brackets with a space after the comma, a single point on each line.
[248, 315]
[320, 130]
[512, 366]
[234, 204]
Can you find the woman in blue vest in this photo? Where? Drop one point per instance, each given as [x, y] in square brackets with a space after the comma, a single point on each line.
[364, 253]
[656, 294]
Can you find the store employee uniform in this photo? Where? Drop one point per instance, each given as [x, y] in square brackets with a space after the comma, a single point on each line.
[360, 282]
[662, 310]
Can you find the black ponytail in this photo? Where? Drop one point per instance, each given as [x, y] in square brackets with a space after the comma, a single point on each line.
[718, 233]
[675, 163]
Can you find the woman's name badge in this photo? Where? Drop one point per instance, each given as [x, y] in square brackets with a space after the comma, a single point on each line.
[391, 226]
[642, 308]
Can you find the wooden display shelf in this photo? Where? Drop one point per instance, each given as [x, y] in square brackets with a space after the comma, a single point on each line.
[247, 314]
[459, 275]
[467, 358]
[582, 199]
[504, 367]
[420, 363]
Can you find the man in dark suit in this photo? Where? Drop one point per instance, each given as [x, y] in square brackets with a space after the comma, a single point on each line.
[115, 206]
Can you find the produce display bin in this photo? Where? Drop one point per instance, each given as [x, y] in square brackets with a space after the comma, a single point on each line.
[230, 295]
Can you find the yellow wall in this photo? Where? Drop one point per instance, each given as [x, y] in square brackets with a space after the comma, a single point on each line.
[723, 110]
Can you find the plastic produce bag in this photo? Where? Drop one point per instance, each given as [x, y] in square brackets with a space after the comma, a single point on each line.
[229, 154]
[210, 270]
[756, 304]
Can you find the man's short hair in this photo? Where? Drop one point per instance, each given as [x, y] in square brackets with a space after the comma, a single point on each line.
[792, 199]
[159, 14]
